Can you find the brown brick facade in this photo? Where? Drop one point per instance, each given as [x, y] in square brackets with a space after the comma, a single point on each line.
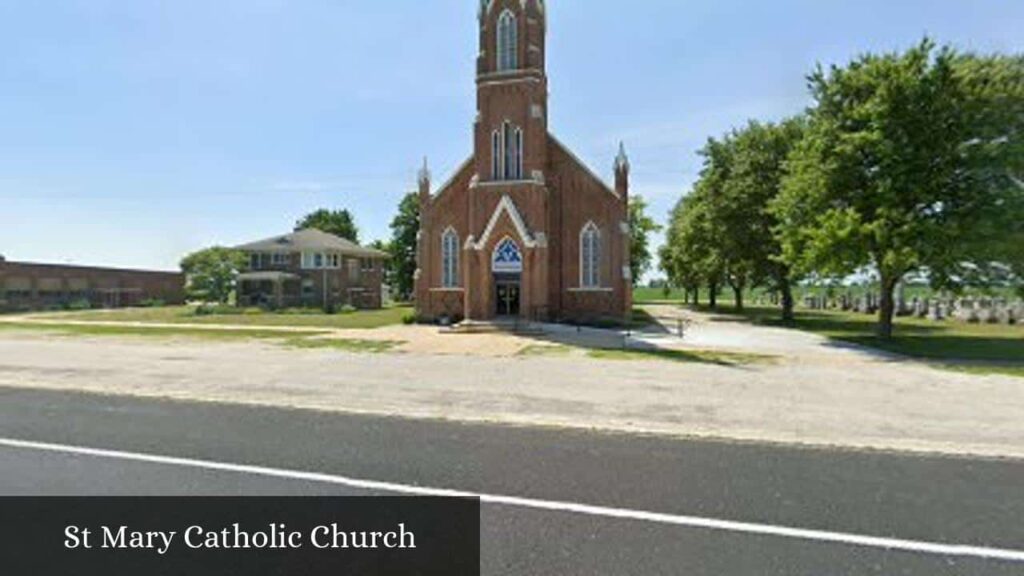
[310, 268]
[543, 203]
[28, 286]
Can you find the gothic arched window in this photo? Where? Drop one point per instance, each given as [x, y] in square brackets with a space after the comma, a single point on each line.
[450, 259]
[590, 256]
[496, 171]
[508, 34]
[518, 160]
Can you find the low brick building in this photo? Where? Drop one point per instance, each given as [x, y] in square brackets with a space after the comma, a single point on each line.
[28, 286]
[523, 229]
[311, 268]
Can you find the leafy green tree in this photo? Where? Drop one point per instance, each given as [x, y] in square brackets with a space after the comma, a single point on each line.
[337, 222]
[212, 273]
[908, 165]
[691, 256]
[641, 225]
[405, 227]
[757, 159]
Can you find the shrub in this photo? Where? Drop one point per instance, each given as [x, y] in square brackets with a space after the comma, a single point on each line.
[410, 319]
[348, 309]
[79, 304]
[218, 309]
[152, 303]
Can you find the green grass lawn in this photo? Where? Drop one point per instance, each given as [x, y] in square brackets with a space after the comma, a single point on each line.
[978, 348]
[634, 354]
[656, 296]
[303, 339]
[187, 315]
[158, 331]
[690, 356]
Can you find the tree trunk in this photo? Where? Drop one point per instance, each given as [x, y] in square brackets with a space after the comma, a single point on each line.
[696, 296]
[738, 295]
[713, 295]
[886, 308]
[787, 301]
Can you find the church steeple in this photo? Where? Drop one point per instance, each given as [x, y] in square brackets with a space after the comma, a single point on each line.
[511, 128]
[622, 172]
[512, 36]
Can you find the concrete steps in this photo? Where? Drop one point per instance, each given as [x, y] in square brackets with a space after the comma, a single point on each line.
[493, 327]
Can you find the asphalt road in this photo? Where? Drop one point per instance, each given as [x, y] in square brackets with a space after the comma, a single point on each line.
[932, 499]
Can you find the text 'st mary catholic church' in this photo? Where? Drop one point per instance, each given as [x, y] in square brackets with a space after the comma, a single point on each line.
[523, 228]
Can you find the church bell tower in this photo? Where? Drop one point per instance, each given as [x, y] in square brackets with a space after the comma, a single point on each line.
[512, 91]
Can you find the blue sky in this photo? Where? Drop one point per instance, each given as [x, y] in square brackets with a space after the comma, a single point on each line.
[134, 131]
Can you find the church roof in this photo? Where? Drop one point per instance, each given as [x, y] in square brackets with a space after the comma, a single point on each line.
[582, 165]
[311, 239]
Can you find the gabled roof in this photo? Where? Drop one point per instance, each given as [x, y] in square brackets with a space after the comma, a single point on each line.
[576, 159]
[506, 206]
[311, 239]
[467, 164]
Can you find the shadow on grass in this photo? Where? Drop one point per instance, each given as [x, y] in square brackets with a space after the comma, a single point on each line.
[729, 359]
[950, 341]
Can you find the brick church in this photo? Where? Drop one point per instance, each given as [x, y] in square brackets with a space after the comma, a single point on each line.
[523, 229]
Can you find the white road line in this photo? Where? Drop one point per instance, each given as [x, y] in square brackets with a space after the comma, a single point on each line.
[895, 544]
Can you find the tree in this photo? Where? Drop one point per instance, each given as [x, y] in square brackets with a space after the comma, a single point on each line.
[212, 273]
[908, 164]
[758, 159]
[640, 227]
[691, 256]
[404, 230]
[337, 222]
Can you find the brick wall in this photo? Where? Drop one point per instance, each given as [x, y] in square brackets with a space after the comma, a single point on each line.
[30, 286]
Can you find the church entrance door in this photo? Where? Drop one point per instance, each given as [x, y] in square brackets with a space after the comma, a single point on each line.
[507, 292]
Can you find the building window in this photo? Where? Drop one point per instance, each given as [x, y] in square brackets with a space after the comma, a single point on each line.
[280, 259]
[367, 264]
[509, 144]
[508, 35]
[258, 261]
[507, 152]
[450, 259]
[590, 256]
[320, 260]
[353, 270]
[496, 156]
[518, 175]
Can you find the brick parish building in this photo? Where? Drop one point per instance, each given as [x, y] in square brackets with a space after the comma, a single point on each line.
[28, 286]
[311, 268]
[523, 229]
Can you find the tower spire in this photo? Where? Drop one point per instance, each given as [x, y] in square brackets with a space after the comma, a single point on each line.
[622, 172]
[424, 173]
[622, 159]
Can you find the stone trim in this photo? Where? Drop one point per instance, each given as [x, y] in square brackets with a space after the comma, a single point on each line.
[506, 205]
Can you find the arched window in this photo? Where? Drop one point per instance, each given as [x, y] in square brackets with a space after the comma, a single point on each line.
[496, 172]
[509, 143]
[450, 259]
[518, 165]
[508, 34]
[590, 256]
[507, 153]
